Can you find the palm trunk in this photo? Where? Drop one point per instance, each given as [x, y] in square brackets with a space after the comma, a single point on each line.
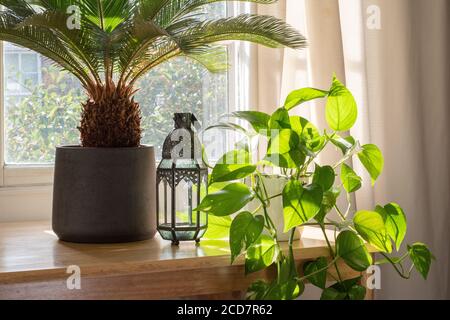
[111, 119]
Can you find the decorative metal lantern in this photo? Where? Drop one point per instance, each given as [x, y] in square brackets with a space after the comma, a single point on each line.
[181, 183]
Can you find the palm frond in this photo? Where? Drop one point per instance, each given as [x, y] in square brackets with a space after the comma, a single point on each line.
[147, 9]
[176, 9]
[107, 14]
[159, 51]
[53, 4]
[183, 24]
[140, 37]
[215, 59]
[42, 41]
[20, 8]
[265, 30]
[80, 42]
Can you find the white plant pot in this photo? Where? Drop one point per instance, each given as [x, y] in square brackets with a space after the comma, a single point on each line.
[275, 185]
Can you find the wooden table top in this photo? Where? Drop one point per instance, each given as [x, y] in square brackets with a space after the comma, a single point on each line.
[33, 265]
[30, 250]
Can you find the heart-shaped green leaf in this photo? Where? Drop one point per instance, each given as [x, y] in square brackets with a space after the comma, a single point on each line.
[328, 202]
[261, 254]
[300, 203]
[258, 120]
[308, 133]
[279, 120]
[357, 292]
[332, 294]
[370, 226]
[286, 287]
[395, 222]
[352, 249]
[257, 290]
[286, 290]
[232, 198]
[346, 290]
[288, 269]
[350, 180]
[421, 257]
[284, 151]
[372, 159]
[341, 109]
[316, 272]
[230, 172]
[345, 144]
[245, 230]
[303, 95]
[345, 285]
[232, 166]
[324, 177]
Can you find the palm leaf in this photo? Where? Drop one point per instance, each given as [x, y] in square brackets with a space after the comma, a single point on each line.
[140, 37]
[215, 59]
[20, 8]
[175, 9]
[147, 9]
[79, 42]
[159, 51]
[107, 14]
[266, 30]
[42, 41]
[53, 4]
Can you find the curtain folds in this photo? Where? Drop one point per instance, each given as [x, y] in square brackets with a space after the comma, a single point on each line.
[400, 75]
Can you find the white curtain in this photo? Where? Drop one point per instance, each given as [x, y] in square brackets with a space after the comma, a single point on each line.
[398, 69]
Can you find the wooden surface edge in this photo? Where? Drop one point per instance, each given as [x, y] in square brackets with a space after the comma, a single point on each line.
[181, 272]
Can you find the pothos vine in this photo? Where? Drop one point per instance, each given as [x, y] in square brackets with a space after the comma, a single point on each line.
[309, 198]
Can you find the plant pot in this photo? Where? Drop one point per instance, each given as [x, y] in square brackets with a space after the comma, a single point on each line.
[104, 195]
[275, 185]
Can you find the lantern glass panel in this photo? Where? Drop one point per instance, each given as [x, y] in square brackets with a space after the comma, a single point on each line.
[186, 201]
[165, 203]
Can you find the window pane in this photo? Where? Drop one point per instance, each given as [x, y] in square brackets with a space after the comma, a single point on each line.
[42, 110]
[43, 104]
[12, 63]
[30, 81]
[12, 83]
[29, 62]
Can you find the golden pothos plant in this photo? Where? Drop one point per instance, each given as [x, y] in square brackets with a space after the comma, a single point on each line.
[309, 198]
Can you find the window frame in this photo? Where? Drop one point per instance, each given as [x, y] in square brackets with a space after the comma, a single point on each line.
[21, 176]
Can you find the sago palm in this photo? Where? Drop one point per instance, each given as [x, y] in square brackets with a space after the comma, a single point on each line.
[109, 44]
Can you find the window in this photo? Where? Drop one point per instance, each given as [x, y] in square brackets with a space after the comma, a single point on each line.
[42, 107]
[21, 71]
[42, 104]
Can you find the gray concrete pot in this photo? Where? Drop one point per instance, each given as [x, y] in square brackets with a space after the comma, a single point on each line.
[104, 195]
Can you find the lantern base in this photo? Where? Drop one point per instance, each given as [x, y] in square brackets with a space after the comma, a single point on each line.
[181, 232]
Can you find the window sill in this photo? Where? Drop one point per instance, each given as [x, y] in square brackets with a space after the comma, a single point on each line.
[25, 203]
[14, 176]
